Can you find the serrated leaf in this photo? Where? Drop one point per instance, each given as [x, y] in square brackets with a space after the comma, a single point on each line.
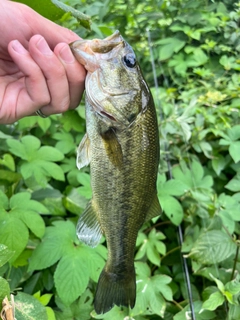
[72, 275]
[57, 241]
[34, 222]
[28, 308]
[150, 290]
[213, 247]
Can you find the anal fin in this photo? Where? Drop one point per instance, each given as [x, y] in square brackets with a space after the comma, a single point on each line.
[88, 228]
[154, 210]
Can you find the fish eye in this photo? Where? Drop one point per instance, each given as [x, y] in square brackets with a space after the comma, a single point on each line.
[129, 60]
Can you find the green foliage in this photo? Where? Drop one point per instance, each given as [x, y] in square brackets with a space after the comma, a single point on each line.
[195, 47]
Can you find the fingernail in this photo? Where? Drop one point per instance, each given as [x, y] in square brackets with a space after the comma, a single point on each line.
[43, 47]
[16, 45]
[66, 54]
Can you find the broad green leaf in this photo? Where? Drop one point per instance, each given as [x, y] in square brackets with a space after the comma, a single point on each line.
[4, 202]
[72, 275]
[234, 312]
[5, 254]
[65, 142]
[172, 209]
[213, 247]
[14, 234]
[234, 184]
[8, 161]
[23, 200]
[234, 151]
[57, 241]
[79, 310]
[50, 314]
[216, 299]
[44, 299]
[219, 163]
[49, 154]
[74, 202]
[72, 120]
[233, 286]
[44, 123]
[4, 289]
[38, 159]
[168, 46]
[27, 307]
[150, 291]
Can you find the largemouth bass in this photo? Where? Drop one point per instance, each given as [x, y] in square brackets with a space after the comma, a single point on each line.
[122, 147]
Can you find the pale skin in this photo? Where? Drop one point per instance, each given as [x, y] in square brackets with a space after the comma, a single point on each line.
[37, 68]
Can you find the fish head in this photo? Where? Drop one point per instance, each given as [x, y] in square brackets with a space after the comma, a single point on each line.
[115, 87]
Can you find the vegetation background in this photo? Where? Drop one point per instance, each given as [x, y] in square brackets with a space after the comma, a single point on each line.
[189, 54]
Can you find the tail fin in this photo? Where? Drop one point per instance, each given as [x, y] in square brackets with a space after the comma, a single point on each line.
[115, 289]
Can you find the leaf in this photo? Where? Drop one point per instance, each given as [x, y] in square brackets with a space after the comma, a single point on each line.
[72, 275]
[66, 142]
[8, 161]
[5, 255]
[3, 200]
[27, 307]
[169, 46]
[38, 160]
[216, 299]
[44, 299]
[199, 312]
[219, 163]
[56, 241]
[150, 291]
[172, 209]
[82, 18]
[234, 184]
[14, 234]
[4, 289]
[213, 247]
[234, 151]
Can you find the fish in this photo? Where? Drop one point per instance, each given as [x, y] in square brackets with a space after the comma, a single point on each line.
[121, 145]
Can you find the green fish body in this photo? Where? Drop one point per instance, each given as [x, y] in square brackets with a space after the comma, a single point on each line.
[122, 147]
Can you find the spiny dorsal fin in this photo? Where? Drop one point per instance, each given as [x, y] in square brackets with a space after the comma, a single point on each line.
[83, 152]
[88, 228]
[154, 210]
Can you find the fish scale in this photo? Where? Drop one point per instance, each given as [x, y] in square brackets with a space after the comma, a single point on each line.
[122, 147]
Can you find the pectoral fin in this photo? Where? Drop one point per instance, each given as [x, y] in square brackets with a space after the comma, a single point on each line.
[88, 228]
[154, 210]
[83, 152]
[113, 148]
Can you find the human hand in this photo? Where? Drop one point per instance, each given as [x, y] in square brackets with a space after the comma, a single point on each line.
[37, 68]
